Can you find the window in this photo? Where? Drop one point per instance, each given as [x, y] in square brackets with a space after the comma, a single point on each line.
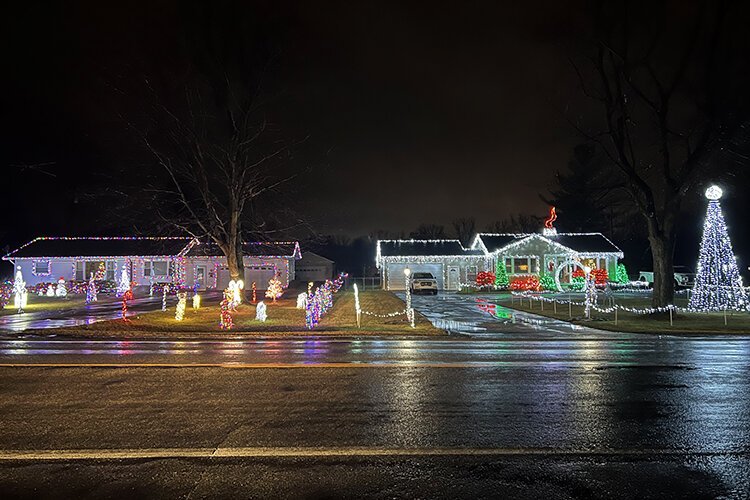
[521, 266]
[110, 273]
[97, 268]
[41, 267]
[156, 268]
[471, 274]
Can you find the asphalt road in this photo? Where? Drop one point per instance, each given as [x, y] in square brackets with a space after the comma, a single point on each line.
[519, 410]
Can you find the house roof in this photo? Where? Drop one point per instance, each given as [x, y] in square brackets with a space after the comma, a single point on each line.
[120, 246]
[424, 248]
[584, 243]
[314, 257]
[287, 249]
[493, 242]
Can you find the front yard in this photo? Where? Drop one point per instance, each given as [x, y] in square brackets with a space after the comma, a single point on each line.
[36, 303]
[683, 323]
[283, 319]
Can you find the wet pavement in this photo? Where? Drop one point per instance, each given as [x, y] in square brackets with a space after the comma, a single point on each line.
[521, 408]
[84, 314]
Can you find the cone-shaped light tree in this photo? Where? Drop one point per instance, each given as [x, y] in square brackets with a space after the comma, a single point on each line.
[718, 284]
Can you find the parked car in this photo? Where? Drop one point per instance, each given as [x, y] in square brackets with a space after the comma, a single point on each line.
[424, 283]
[683, 277]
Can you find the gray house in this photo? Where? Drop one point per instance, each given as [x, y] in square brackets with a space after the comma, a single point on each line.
[176, 260]
[527, 254]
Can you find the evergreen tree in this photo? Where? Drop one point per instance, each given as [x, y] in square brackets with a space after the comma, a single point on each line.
[718, 284]
[501, 276]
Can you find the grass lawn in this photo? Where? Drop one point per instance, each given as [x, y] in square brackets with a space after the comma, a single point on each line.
[684, 323]
[36, 303]
[283, 319]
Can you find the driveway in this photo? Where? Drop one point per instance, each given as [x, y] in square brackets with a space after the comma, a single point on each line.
[481, 316]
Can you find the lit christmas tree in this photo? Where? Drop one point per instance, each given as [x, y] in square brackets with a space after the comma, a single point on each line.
[124, 284]
[274, 290]
[718, 284]
[501, 276]
[621, 276]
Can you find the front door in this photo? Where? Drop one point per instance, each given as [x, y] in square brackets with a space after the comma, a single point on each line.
[453, 279]
[200, 276]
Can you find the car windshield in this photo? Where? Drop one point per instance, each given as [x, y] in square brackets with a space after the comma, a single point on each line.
[423, 276]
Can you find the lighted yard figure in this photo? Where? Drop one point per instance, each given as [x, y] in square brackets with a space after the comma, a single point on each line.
[19, 290]
[260, 311]
[274, 290]
[225, 320]
[179, 311]
[196, 301]
[255, 294]
[50, 290]
[124, 284]
[164, 292]
[236, 287]
[91, 290]
[320, 301]
[589, 291]
[718, 284]
[61, 290]
[101, 272]
[409, 310]
[302, 300]
[126, 296]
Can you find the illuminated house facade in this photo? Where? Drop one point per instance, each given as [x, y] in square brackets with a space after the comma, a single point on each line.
[176, 260]
[447, 260]
[527, 254]
[554, 253]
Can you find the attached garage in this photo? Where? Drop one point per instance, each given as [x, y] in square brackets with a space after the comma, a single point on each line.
[447, 260]
[261, 275]
[395, 273]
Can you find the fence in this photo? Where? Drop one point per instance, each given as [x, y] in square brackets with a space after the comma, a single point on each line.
[365, 282]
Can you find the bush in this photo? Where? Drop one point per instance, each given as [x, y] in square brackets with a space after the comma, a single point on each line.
[523, 283]
[485, 278]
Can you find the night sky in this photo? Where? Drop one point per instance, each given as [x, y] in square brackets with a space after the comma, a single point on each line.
[409, 113]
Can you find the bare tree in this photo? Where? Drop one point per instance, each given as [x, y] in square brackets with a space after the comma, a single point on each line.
[428, 232]
[464, 227]
[219, 160]
[520, 223]
[669, 96]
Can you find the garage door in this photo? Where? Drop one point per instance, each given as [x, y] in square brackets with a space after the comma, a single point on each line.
[261, 275]
[396, 273]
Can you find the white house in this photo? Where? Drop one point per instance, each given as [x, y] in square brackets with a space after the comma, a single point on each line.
[207, 265]
[528, 254]
[551, 252]
[177, 260]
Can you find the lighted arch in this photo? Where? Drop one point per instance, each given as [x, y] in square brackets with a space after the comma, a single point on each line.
[563, 265]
